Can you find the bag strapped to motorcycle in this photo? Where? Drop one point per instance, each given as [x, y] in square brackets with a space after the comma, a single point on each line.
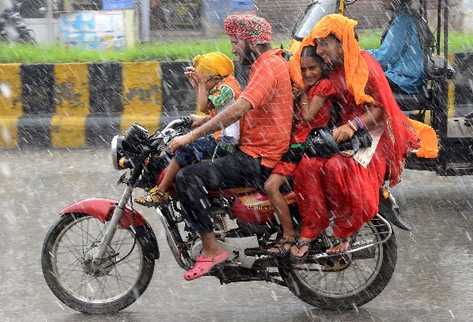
[320, 142]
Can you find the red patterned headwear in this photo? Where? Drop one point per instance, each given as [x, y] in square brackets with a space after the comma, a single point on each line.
[254, 29]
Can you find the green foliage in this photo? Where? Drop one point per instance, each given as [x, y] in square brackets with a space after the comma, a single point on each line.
[183, 49]
[460, 42]
[175, 50]
[370, 39]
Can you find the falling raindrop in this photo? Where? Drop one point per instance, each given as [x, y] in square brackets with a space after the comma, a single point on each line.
[5, 90]
[451, 314]
[468, 236]
[5, 169]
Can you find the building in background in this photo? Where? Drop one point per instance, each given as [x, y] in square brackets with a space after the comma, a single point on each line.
[194, 17]
[175, 15]
[468, 15]
[282, 14]
[164, 19]
[369, 13]
[205, 17]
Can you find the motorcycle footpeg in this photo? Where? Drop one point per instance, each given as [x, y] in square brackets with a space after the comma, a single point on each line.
[257, 251]
[356, 247]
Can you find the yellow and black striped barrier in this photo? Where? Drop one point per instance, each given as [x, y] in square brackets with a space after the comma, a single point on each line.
[80, 105]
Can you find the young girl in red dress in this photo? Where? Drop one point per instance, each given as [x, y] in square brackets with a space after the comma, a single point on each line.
[314, 111]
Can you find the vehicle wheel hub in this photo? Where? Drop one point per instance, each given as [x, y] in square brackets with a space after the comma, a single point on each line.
[103, 267]
[336, 263]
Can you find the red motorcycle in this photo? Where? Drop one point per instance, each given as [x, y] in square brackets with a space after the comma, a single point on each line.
[100, 255]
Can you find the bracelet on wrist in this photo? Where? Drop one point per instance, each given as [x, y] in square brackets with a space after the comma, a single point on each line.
[359, 123]
[352, 126]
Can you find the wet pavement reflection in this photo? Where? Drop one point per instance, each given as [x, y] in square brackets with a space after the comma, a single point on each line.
[433, 280]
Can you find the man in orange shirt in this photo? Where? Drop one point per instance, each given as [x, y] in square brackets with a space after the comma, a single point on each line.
[264, 109]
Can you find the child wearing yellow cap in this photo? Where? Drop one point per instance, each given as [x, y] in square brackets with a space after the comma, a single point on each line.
[211, 75]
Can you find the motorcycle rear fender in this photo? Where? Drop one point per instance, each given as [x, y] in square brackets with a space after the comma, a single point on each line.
[102, 209]
[390, 211]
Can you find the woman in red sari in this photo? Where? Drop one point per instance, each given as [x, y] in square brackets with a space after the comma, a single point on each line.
[347, 186]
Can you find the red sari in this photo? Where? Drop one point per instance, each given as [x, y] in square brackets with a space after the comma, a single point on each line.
[340, 185]
[301, 130]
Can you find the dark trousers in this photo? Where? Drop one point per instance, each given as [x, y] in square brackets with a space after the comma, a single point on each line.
[201, 149]
[194, 182]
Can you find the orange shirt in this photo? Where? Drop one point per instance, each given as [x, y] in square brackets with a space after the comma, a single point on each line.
[265, 130]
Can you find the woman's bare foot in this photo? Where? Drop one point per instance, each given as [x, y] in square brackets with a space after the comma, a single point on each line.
[282, 247]
[342, 247]
[301, 248]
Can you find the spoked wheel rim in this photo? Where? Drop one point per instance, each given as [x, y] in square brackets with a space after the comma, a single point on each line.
[116, 275]
[353, 275]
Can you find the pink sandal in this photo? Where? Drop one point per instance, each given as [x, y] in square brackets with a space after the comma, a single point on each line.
[204, 264]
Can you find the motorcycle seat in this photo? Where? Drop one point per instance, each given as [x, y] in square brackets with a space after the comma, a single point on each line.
[286, 189]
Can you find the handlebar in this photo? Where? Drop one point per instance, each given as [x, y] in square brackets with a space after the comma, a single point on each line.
[185, 121]
[137, 145]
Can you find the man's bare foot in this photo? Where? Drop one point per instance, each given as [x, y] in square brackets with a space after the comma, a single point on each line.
[342, 247]
[212, 252]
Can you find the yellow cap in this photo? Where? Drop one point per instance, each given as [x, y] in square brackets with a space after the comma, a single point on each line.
[214, 63]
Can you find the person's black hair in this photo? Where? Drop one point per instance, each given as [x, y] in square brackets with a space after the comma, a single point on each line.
[311, 51]
[250, 55]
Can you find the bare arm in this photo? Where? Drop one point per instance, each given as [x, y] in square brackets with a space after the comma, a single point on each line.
[223, 119]
[228, 116]
[199, 82]
[372, 117]
[310, 109]
[202, 98]
[198, 120]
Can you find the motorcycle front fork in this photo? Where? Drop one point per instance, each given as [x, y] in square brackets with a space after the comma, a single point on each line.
[111, 226]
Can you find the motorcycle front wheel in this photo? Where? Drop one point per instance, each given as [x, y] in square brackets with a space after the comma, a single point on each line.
[347, 281]
[107, 287]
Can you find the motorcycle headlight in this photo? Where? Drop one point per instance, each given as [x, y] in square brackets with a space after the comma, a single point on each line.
[116, 151]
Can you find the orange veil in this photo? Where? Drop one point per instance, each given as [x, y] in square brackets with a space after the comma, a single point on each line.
[356, 70]
[398, 138]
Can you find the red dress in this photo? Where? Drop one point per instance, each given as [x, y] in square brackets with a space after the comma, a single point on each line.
[340, 185]
[324, 88]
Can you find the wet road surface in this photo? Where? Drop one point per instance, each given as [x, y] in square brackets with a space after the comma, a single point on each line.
[433, 280]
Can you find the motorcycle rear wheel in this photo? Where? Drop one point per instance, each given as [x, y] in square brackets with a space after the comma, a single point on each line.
[63, 260]
[299, 279]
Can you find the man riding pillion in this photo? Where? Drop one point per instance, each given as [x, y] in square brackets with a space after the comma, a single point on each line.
[265, 113]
